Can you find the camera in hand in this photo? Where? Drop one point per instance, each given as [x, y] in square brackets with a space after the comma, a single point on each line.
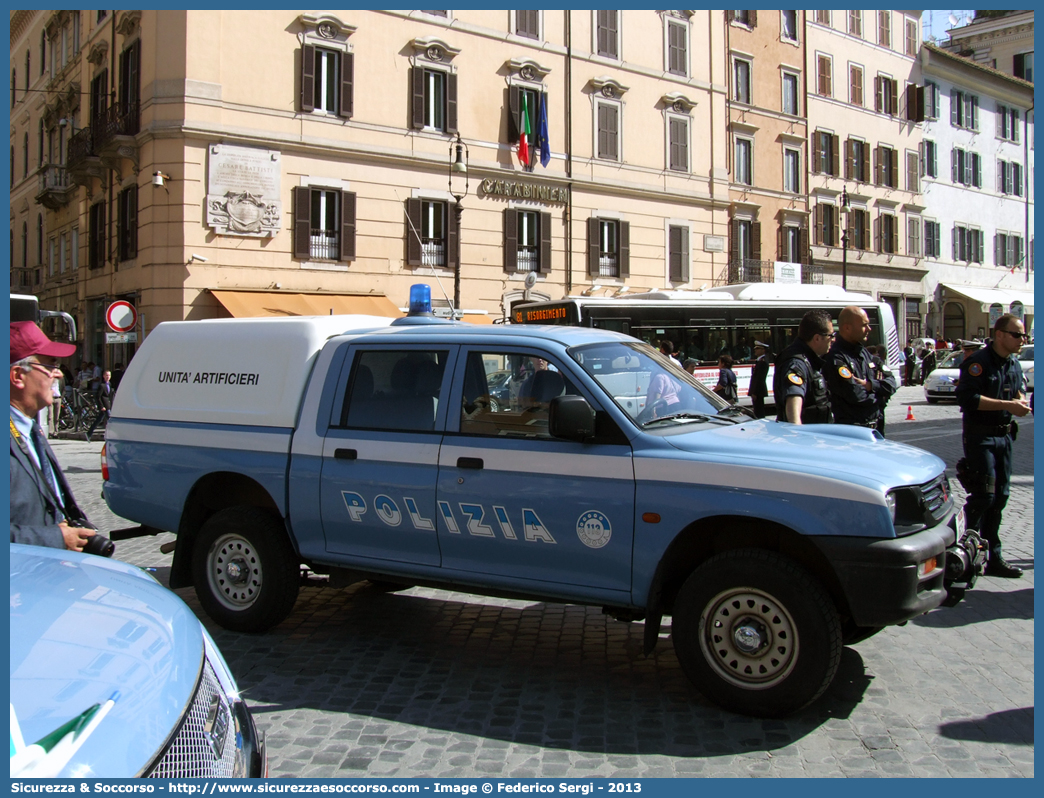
[100, 545]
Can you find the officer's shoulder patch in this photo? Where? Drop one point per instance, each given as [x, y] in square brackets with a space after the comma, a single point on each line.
[795, 378]
[844, 372]
[975, 369]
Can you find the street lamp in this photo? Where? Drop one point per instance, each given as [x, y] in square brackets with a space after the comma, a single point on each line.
[458, 168]
[845, 210]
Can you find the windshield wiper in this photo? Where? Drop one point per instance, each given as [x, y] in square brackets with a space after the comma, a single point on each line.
[732, 409]
[673, 416]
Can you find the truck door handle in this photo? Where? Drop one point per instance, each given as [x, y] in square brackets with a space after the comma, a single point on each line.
[346, 454]
[469, 462]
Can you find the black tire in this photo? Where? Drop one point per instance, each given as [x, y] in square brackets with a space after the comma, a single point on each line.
[245, 572]
[786, 619]
[933, 401]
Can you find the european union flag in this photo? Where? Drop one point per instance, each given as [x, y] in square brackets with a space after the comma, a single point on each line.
[542, 140]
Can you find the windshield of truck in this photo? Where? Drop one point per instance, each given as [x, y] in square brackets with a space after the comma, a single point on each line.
[647, 386]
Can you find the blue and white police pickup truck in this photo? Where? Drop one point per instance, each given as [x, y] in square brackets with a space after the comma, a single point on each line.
[607, 477]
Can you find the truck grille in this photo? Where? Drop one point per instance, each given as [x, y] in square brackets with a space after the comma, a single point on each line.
[204, 746]
[936, 497]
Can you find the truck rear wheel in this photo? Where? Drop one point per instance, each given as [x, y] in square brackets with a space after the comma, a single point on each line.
[245, 572]
[756, 633]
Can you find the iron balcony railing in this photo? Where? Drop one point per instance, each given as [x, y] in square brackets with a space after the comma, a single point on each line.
[745, 270]
[324, 245]
[81, 147]
[433, 252]
[117, 120]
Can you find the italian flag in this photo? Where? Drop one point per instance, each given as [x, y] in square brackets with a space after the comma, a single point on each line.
[524, 133]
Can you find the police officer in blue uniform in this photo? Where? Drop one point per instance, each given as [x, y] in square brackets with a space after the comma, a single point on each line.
[989, 392]
[798, 385]
[758, 389]
[857, 386]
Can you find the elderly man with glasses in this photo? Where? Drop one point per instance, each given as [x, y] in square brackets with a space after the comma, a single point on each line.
[989, 392]
[43, 510]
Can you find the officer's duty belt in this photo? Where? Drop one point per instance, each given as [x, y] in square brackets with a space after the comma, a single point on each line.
[991, 430]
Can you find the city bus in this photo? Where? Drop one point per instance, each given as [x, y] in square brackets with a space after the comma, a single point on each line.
[703, 325]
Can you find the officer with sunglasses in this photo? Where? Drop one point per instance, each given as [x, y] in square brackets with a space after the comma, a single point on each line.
[989, 392]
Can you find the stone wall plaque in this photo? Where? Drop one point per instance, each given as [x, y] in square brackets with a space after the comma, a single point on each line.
[243, 191]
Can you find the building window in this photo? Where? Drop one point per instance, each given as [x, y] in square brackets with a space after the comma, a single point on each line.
[929, 159]
[793, 244]
[43, 51]
[678, 143]
[823, 76]
[74, 248]
[886, 95]
[1022, 66]
[527, 241]
[964, 110]
[825, 218]
[130, 79]
[1008, 250]
[607, 24]
[745, 244]
[25, 245]
[741, 70]
[823, 17]
[788, 26]
[857, 160]
[678, 253]
[825, 153]
[748, 18]
[434, 99]
[791, 104]
[931, 100]
[911, 37]
[855, 23]
[1007, 123]
[63, 251]
[324, 224]
[127, 223]
[431, 237]
[965, 168]
[52, 256]
[40, 142]
[855, 85]
[886, 168]
[96, 237]
[913, 236]
[913, 172]
[931, 240]
[859, 229]
[887, 234]
[677, 47]
[745, 161]
[326, 81]
[608, 130]
[967, 244]
[25, 155]
[532, 100]
[1009, 177]
[792, 170]
[884, 28]
[527, 24]
[608, 248]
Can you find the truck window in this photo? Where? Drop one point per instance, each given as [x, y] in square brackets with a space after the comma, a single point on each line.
[508, 394]
[394, 390]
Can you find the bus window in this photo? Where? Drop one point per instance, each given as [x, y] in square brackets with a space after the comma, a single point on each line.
[616, 325]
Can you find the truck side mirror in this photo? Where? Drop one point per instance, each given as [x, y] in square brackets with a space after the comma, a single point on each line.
[571, 418]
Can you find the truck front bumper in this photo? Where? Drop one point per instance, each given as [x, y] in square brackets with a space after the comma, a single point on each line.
[885, 581]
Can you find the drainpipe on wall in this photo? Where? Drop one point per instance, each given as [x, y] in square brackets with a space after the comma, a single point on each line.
[569, 150]
[1026, 173]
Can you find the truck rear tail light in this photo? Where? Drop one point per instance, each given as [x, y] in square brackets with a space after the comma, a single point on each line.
[104, 464]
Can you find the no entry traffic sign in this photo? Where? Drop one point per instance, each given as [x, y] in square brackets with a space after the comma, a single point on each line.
[121, 316]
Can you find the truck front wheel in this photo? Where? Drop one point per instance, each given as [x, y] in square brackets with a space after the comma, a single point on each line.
[756, 633]
[245, 572]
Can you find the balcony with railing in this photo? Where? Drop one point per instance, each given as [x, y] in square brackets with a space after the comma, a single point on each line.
[119, 121]
[745, 270]
[433, 252]
[527, 259]
[56, 187]
[608, 265]
[324, 245]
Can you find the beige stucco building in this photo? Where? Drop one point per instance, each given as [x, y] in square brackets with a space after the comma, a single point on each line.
[211, 163]
[1003, 42]
[865, 114]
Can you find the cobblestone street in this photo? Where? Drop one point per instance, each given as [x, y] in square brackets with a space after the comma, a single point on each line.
[431, 683]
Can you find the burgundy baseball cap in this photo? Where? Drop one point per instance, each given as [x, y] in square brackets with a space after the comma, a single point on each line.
[28, 339]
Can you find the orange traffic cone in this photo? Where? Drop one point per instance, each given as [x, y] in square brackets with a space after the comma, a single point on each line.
[909, 413]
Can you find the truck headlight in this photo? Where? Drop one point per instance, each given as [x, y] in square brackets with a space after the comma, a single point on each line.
[891, 502]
